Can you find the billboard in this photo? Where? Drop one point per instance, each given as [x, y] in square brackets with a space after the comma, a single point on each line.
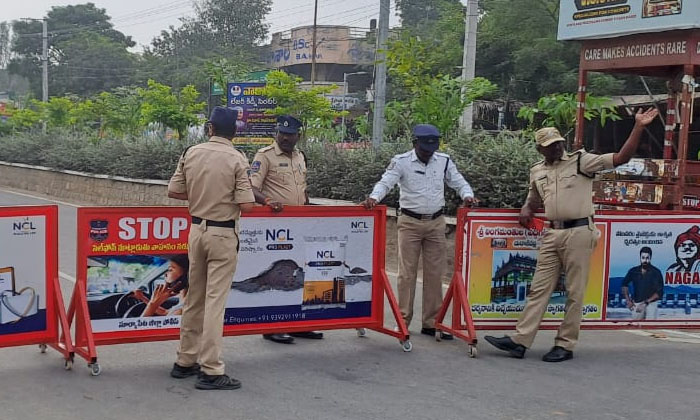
[645, 270]
[254, 126]
[590, 19]
[315, 265]
[28, 272]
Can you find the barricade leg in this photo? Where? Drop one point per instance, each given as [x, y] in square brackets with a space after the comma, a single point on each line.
[64, 344]
[401, 332]
[84, 343]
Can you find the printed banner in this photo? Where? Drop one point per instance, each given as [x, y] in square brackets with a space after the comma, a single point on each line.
[586, 19]
[289, 268]
[654, 270]
[253, 126]
[502, 256]
[27, 270]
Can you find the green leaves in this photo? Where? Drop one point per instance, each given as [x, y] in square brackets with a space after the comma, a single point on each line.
[161, 105]
[308, 104]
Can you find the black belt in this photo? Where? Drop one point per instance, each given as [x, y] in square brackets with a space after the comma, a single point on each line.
[422, 216]
[568, 224]
[227, 224]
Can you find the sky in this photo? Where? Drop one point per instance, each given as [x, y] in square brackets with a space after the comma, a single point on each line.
[144, 19]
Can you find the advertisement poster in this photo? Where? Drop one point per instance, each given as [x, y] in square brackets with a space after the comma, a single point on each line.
[586, 19]
[501, 258]
[655, 271]
[253, 125]
[289, 268]
[23, 274]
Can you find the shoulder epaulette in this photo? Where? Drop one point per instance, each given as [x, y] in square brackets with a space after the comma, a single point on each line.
[539, 162]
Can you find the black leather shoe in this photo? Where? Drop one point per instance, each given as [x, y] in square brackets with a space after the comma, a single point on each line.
[431, 332]
[558, 354]
[506, 344]
[212, 382]
[313, 335]
[181, 372]
[279, 338]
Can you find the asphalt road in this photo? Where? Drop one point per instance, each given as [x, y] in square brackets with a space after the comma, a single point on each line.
[614, 375]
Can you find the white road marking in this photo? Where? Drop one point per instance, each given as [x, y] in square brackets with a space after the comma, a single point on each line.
[65, 276]
[39, 198]
[653, 334]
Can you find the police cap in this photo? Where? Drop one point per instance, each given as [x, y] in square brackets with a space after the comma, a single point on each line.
[288, 124]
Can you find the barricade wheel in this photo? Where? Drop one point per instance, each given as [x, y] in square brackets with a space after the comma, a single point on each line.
[407, 345]
[361, 332]
[471, 351]
[95, 369]
[42, 348]
[68, 365]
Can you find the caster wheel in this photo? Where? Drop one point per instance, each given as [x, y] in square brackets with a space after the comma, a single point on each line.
[361, 332]
[42, 348]
[471, 351]
[68, 365]
[95, 369]
[407, 346]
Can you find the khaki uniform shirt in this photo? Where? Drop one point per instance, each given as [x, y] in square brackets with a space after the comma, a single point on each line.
[565, 188]
[215, 177]
[279, 176]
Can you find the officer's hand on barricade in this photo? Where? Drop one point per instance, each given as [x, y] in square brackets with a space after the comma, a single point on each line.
[276, 206]
[369, 203]
[470, 202]
[525, 218]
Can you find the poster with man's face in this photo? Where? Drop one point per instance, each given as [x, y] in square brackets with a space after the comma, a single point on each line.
[654, 271]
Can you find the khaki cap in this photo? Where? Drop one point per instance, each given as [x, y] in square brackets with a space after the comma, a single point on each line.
[548, 135]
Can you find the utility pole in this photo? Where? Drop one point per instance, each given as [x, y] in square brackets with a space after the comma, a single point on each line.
[380, 76]
[45, 61]
[313, 46]
[469, 59]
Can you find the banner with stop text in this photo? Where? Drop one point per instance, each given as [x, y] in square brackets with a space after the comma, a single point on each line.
[305, 264]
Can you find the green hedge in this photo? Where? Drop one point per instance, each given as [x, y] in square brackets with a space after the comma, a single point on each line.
[497, 167]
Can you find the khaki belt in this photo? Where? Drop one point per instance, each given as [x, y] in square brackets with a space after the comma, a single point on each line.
[568, 224]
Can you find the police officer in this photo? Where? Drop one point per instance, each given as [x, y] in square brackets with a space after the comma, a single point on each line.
[563, 184]
[421, 174]
[213, 177]
[278, 176]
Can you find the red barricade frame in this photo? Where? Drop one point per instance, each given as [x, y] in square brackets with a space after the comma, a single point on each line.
[465, 216]
[86, 340]
[57, 332]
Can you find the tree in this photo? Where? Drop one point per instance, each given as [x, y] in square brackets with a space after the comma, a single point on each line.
[559, 110]
[161, 105]
[83, 46]
[5, 45]
[223, 70]
[309, 105]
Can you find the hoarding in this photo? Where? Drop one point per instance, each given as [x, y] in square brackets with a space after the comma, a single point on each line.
[253, 126]
[590, 19]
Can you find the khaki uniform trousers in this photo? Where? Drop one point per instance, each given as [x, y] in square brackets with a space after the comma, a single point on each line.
[567, 250]
[213, 257]
[415, 236]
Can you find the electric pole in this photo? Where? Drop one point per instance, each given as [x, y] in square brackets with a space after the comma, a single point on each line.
[469, 59]
[45, 61]
[380, 76]
[313, 45]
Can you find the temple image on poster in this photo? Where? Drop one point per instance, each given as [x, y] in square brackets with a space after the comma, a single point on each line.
[655, 8]
[512, 277]
[324, 294]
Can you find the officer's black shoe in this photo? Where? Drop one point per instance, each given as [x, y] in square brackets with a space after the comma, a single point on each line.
[431, 332]
[558, 354]
[313, 335]
[506, 344]
[181, 372]
[210, 382]
[279, 338]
